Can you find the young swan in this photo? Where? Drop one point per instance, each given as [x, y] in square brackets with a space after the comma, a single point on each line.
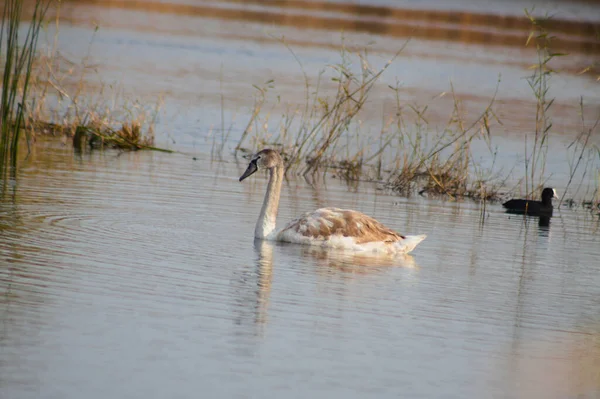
[326, 227]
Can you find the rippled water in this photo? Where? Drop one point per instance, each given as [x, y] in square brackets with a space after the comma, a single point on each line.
[137, 275]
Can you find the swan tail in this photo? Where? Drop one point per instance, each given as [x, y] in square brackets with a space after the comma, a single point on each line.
[409, 243]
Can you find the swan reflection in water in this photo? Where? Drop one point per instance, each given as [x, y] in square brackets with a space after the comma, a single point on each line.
[252, 288]
[254, 284]
[264, 277]
[353, 261]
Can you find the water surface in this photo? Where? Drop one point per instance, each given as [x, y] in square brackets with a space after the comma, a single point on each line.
[137, 275]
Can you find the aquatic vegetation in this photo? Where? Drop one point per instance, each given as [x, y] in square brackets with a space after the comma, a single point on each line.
[59, 103]
[410, 155]
[582, 154]
[16, 76]
[443, 164]
[128, 137]
[324, 136]
[308, 137]
[580, 151]
[539, 83]
[95, 132]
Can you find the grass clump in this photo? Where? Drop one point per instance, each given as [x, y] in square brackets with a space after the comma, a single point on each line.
[128, 137]
[442, 164]
[59, 103]
[94, 133]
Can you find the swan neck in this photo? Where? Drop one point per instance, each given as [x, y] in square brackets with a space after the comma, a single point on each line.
[268, 214]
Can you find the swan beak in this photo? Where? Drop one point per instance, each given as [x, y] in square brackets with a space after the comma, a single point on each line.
[249, 170]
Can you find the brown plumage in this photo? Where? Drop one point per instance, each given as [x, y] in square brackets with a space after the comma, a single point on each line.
[327, 222]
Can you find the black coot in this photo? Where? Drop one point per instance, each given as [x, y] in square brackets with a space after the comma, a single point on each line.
[533, 208]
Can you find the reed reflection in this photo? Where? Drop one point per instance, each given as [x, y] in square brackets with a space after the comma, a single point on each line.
[264, 272]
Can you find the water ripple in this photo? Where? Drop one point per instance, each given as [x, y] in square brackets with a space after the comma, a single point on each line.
[157, 266]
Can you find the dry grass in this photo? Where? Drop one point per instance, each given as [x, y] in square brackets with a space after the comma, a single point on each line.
[309, 136]
[325, 135]
[60, 103]
[409, 155]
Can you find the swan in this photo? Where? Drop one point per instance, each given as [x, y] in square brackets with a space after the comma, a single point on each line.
[325, 227]
[533, 208]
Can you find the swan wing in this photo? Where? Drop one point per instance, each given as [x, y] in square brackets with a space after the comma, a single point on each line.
[325, 223]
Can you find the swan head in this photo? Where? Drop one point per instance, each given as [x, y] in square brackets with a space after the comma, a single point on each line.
[265, 159]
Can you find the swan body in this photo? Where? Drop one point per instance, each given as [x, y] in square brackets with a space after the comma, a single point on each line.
[324, 227]
[531, 207]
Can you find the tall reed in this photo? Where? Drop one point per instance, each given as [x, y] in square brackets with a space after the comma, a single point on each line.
[309, 135]
[583, 155]
[442, 164]
[325, 133]
[18, 61]
[539, 83]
